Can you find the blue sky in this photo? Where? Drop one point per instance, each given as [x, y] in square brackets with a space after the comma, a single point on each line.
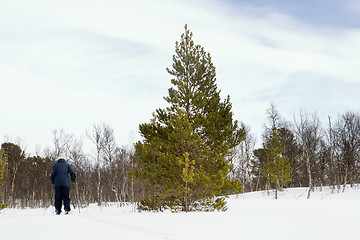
[70, 64]
[341, 13]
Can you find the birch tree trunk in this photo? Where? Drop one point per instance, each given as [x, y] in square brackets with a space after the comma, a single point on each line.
[346, 177]
[311, 187]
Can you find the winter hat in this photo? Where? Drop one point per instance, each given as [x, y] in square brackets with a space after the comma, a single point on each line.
[62, 156]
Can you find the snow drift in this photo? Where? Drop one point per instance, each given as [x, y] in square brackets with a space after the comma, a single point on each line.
[254, 215]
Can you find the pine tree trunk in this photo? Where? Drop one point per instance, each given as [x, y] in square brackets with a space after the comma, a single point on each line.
[186, 196]
[277, 188]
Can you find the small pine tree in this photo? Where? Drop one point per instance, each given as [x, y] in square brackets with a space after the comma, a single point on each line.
[278, 169]
[2, 169]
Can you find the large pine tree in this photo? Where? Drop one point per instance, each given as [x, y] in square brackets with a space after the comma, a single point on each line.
[183, 156]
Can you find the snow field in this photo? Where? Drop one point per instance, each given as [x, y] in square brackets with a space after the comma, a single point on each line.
[250, 216]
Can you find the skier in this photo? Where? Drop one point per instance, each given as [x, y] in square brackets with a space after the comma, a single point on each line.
[60, 179]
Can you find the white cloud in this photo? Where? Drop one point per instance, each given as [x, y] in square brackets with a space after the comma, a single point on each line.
[353, 5]
[105, 60]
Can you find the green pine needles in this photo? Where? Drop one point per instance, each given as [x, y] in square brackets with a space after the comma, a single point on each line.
[278, 169]
[2, 169]
[183, 155]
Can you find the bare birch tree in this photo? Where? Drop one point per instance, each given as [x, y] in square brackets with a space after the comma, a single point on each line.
[347, 147]
[309, 134]
[241, 159]
[95, 136]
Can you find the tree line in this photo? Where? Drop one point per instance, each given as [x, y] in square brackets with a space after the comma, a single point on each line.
[102, 176]
[318, 154]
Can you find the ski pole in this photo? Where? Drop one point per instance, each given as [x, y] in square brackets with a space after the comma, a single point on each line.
[77, 196]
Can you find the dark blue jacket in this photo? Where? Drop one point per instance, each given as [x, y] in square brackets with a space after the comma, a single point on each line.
[59, 175]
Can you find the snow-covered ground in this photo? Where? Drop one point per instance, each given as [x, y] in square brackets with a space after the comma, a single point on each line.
[250, 216]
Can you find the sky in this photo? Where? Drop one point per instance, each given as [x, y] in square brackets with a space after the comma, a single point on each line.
[70, 64]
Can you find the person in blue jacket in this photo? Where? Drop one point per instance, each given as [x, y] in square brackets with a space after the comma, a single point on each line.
[60, 179]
